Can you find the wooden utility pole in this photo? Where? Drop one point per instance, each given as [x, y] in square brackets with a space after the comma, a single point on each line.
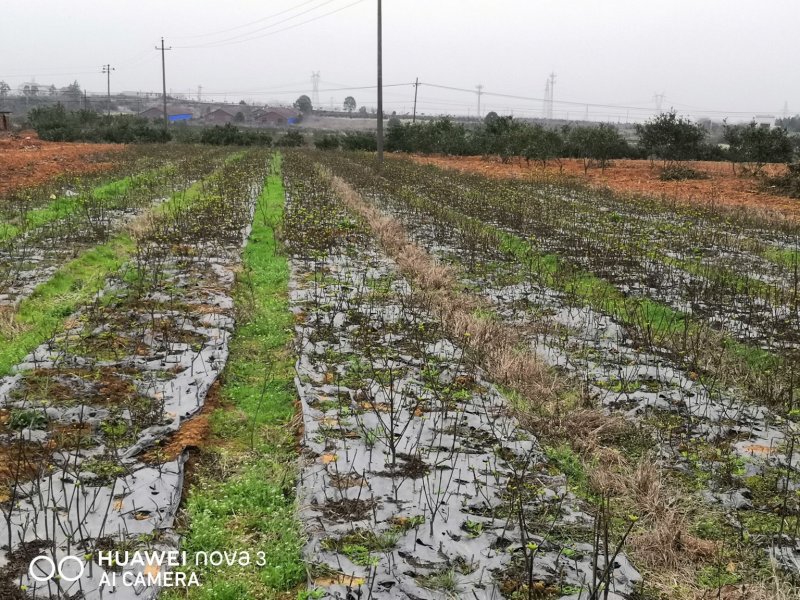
[416, 87]
[107, 70]
[380, 86]
[164, 81]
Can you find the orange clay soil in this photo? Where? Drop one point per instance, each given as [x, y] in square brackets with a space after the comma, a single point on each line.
[27, 161]
[722, 188]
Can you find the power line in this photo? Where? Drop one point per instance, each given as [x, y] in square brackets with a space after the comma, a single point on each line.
[261, 20]
[592, 104]
[239, 40]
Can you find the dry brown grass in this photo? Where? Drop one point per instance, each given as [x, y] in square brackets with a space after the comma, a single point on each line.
[10, 326]
[496, 345]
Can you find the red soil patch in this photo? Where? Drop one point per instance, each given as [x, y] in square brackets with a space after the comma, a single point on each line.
[194, 433]
[722, 188]
[27, 161]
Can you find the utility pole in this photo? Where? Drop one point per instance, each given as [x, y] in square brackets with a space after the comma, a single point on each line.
[416, 88]
[164, 81]
[107, 70]
[479, 87]
[199, 93]
[380, 86]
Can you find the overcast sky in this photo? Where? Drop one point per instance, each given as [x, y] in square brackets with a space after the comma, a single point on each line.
[720, 56]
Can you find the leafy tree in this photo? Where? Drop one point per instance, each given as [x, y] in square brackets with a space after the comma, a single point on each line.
[4, 89]
[757, 145]
[360, 140]
[327, 142]
[291, 139]
[55, 123]
[788, 123]
[303, 104]
[543, 145]
[73, 91]
[439, 136]
[350, 104]
[238, 117]
[362, 110]
[52, 91]
[230, 135]
[670, 137]
[595, 144]
[503, 137]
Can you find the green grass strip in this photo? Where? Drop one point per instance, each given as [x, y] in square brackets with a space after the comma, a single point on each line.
[651, 317]
[659, 320]
[785, 257]
[251, 506]
[63, 206]
[41, 315]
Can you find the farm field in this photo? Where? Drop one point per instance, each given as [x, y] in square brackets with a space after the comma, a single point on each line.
[418, 382]
[673, 350]
[26, 161]
[721, 188]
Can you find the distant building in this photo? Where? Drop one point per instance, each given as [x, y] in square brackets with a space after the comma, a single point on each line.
[152, 113]
[765, 121]
[277, 116]
[220, 116]
[174, 113]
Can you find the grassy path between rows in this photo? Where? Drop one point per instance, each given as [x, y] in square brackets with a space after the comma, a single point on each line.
[242, 495]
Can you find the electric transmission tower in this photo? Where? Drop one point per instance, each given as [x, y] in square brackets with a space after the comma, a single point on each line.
[315, 88]
[547, 108]
[659, 100]
[546, 101]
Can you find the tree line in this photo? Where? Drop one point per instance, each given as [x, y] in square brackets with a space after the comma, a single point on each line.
[666, 137]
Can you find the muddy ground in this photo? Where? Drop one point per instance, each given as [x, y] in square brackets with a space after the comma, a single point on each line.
[27, 161]
[722, 188]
